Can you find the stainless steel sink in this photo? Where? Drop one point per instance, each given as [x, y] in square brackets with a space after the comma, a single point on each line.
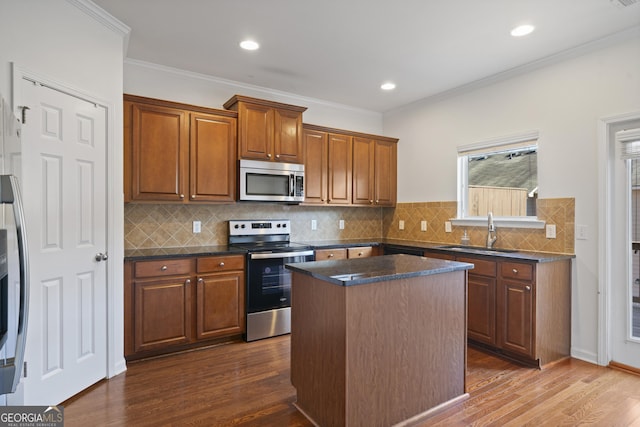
[475, 249]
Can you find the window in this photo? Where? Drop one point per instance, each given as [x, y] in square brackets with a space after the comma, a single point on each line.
[499, 176]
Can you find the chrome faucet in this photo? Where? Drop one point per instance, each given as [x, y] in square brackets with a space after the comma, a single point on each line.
[491, 234]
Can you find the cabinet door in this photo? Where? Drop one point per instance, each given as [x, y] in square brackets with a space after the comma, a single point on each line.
[162, 313]
[213, 158]
[481, 308]
[515, 316]
[255, 131]
[220, 305]
[363, 165]
[288, 145]
[159, 149]
[385, 173]
[315, 167]
[340, 156]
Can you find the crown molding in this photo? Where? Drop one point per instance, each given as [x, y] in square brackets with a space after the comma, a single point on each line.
[240, 86]
[107, 20]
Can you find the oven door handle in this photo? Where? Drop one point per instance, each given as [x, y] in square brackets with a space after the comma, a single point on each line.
[273, 255]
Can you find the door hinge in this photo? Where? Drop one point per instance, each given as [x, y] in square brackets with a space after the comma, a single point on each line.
[25, 370]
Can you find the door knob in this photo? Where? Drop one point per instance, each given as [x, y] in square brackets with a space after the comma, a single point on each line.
[101, 256]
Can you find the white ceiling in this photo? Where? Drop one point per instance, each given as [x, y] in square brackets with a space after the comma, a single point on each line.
[343, 50]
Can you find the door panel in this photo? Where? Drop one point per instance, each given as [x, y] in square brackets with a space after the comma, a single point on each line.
[64, 141]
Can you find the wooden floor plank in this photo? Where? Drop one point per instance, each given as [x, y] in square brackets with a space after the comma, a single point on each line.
[247, 384]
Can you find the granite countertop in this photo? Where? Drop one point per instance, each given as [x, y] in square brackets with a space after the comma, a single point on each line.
[186, 251]
[359, 271]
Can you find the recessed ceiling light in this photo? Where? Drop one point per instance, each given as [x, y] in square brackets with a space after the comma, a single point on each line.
[522, 30]
[388, 86]
[249, 45]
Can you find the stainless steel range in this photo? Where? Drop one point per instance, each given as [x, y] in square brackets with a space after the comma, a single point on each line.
[268, 292]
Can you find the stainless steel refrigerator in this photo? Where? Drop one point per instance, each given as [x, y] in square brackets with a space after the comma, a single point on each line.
[14, 280]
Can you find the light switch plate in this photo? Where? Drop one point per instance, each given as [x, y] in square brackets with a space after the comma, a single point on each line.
[551, 231]
[581, 232]
[314, 224]
[197, 226]
[423, 225]
[401, 225]
[447, 226]
[341, 224]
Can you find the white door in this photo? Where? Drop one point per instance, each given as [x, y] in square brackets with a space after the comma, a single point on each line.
[625, 343]
[64, 191]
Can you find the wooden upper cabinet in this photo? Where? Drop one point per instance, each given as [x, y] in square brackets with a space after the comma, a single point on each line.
[339, 171]
[178, 153]
[213, 158]
[374, 172]
[268, 130]
[158, 146]
[315, 166]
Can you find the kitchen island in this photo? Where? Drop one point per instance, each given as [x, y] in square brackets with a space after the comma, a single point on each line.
[377, 341]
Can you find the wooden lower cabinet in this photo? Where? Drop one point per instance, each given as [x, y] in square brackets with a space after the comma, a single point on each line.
[520, 309]
[179, 303]
[344, 253]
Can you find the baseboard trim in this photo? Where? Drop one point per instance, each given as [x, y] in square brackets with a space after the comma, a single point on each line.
[624, 368]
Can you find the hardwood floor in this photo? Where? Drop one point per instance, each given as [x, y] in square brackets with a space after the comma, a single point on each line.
[247, 384]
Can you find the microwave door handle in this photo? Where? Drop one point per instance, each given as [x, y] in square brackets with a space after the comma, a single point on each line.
[292, 185]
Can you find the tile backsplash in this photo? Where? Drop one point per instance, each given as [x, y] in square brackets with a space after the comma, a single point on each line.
[165, 225]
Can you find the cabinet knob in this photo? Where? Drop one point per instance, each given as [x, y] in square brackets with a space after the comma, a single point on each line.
[370, 202]
[187, 282]
[322, 200]
[277, 156]
[377, 201]
[359, 253]
[200, 280]
[193, 196]
[330, 256]
[163, 268]
[269, 155]
[182, 196]
[514, 271]
[221, 264]
[528, 288]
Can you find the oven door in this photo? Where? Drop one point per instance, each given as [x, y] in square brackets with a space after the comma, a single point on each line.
[268, 281]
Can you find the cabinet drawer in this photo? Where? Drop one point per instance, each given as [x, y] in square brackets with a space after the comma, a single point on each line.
[482, 267]
[439, 255]
[338, 253]
[360, 252]
[165, 267]
[516, 270]
[220, 263]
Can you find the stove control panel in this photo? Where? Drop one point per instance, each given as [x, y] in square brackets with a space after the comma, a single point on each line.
[256, 227]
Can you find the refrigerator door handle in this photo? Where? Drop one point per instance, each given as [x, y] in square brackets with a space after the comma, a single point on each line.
[11, 194]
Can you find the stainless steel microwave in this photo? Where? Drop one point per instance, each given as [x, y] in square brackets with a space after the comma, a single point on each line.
[263, 181]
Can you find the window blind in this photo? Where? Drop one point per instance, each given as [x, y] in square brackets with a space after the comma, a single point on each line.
[510, 143]
[630, 143]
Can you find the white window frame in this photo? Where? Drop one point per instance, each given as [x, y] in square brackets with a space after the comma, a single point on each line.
[522, 140]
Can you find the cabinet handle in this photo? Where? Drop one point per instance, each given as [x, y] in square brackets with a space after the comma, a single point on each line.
[182, 196]
[221, 264]
[187, 282]
[269, 155]
[163, 268]
[515, 271]
[528, 288]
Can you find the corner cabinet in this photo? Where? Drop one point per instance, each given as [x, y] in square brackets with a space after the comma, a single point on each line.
[520, 309]
[268, 130]
[177, 152]
[178, 303]
[349, 168]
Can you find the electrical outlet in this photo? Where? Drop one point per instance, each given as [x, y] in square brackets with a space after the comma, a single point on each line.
[447, 226]
[314, 224]
[197, 226]
[551, 231]
[423, 225]
[341, 224]
[581, 232]
[401, 225]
